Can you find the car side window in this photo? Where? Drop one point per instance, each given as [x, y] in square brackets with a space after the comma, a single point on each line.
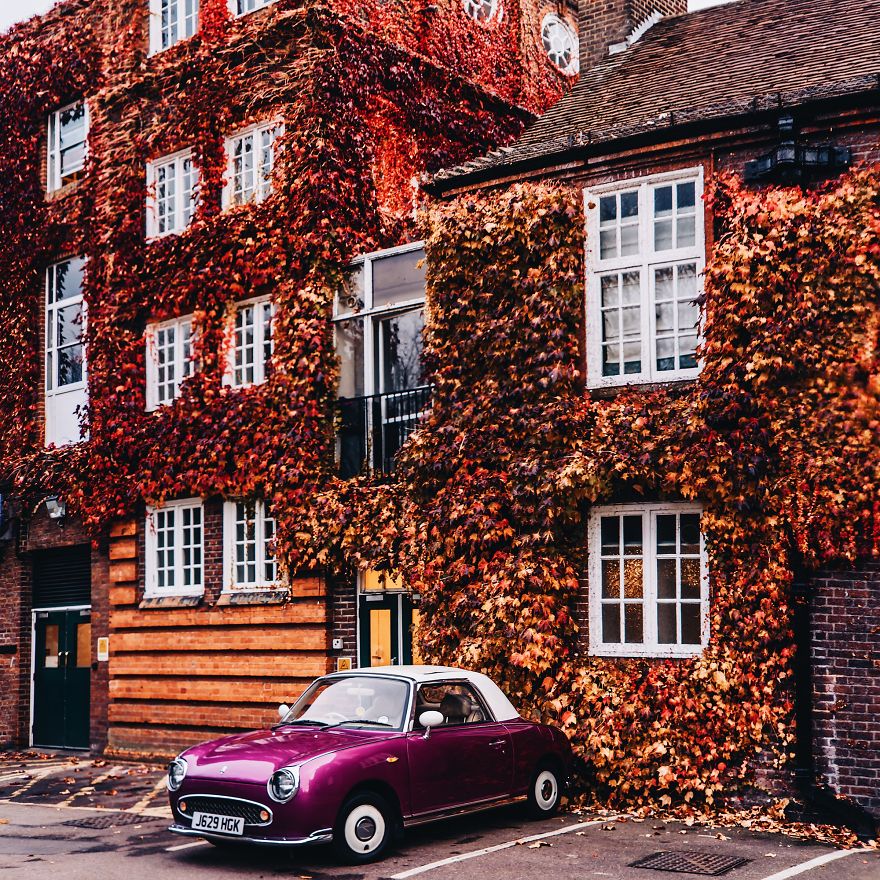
[457, 702]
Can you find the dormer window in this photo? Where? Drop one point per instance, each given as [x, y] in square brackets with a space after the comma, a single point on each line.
[482, 10]
[66, 148]
[560, 42]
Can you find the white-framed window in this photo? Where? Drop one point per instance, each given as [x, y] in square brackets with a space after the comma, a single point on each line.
[560, 41]
[648, 582]
[251, 160]
[249, 546]
[379, 321]
[483, 10]
[172, 193]
[172, 21]
[68, 131]
[175, 549]
[646, 254]
[243, 7]
[169, 359]
[66, 381]
[252, 343]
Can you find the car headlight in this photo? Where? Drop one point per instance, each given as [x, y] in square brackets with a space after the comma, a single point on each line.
[176, 773]
[283, 784]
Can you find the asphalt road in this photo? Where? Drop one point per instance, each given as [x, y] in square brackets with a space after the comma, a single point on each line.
[38, 840]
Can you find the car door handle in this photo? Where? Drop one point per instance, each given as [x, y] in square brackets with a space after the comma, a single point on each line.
[498, 742]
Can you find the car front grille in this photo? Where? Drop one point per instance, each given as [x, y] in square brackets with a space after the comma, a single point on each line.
[223, 806]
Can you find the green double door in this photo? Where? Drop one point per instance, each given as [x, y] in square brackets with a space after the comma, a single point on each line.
[62, 669]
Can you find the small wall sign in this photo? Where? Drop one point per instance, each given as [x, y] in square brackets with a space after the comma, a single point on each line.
[103, 649]
[343, 664]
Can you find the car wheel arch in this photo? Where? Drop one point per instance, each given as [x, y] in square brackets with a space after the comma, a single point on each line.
[385, 791]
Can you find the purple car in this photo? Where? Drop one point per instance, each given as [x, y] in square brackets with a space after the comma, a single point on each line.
[363, 755]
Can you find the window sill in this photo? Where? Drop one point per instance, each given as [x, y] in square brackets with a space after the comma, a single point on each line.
[253, 597]
[608, 392]
[171, 601]
[659, 654]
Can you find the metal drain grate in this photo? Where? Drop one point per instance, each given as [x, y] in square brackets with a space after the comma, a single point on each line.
[708, 864]
[108, 820]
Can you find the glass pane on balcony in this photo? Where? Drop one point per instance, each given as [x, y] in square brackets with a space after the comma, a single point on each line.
[399, 278]
[350, 348]
[400, 352]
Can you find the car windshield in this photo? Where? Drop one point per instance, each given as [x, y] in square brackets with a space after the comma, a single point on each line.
[354, 701]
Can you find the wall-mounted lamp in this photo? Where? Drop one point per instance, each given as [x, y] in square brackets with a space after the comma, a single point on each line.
[55, 508]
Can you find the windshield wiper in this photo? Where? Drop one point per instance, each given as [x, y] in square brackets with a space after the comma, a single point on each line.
[309, 721]
[358, 721]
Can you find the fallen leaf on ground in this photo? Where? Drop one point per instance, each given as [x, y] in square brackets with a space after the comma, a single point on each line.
[539, 843]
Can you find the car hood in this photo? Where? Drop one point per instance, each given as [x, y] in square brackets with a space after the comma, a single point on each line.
[254, 756]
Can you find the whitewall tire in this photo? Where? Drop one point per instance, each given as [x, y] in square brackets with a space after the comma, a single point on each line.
[363, 829]
[544, 792]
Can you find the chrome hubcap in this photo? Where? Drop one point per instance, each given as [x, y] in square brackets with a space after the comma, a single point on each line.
[547, 790]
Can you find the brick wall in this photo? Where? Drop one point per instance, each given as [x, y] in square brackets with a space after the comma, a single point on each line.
[344, 611]
[846, 682]
[35, 534]
[602, 23]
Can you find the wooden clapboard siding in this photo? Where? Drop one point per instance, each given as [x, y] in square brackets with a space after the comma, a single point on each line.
[183, 675]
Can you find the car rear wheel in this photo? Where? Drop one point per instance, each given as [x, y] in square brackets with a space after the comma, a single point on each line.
[364, 828]
[544, 792]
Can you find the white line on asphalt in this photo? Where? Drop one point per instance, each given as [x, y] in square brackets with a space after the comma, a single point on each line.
[143, 803]
[813, 863]
[186, 845]
[412, 872]
[88, 789]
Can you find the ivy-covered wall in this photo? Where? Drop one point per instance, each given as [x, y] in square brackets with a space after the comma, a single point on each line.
[777, 439]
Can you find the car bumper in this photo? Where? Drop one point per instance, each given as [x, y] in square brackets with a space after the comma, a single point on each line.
[323, 836]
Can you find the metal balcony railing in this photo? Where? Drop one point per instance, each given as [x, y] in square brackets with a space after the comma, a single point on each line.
[372, 429]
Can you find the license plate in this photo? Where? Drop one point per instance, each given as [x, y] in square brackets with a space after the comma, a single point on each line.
[218, 824]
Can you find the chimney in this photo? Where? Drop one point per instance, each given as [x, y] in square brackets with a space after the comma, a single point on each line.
[606, 23]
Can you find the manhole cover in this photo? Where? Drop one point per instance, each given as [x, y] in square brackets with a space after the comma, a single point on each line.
[108, 820]
[708, 864]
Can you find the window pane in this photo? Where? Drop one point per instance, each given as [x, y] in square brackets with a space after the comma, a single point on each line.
[399, 278]
[610, 528]
[350, 348]
[663, 235]
[690, 624]
[633, 624]
[667, 632]
[66, 279]
[666, 534]
[607, 243]
[632, 288]
[610, 291]
[632, 535]
[690, 533]
[632, 578]
[666, 579]
[629, 204]
[686, 195]
[629, 240]
[632, 357]
[690, 578]
[665, 354]
[401, 340]
[686, 232]
[611, 360]
[611, 623]
[610, 579]
[663, 201]
[607, 209]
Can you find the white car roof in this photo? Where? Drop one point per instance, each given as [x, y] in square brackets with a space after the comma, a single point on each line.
[500, 706]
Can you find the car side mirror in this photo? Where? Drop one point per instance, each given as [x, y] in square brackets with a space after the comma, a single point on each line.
[430, 719]
[283, 709]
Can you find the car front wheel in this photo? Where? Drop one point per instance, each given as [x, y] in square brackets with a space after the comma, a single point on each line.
[544, 792]
[364, 828]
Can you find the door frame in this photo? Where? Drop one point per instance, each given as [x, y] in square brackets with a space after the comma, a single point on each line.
[33, 669]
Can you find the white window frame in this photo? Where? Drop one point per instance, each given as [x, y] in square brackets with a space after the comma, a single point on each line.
[369, 313]
[183, 367]
[54, 181]
[50, 350]
[559, 20]
[156, 24]
[262, 556]
[152, 589]
[260, 4]
[229, 183]
[261, 364]
[180, 222]
[650, 647]
[646, 261]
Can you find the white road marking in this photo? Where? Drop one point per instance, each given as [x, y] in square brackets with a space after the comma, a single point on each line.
[88, 789]
[813, 863]
[47, 771]
[186, 845]
[412, 872]
[141, 805]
